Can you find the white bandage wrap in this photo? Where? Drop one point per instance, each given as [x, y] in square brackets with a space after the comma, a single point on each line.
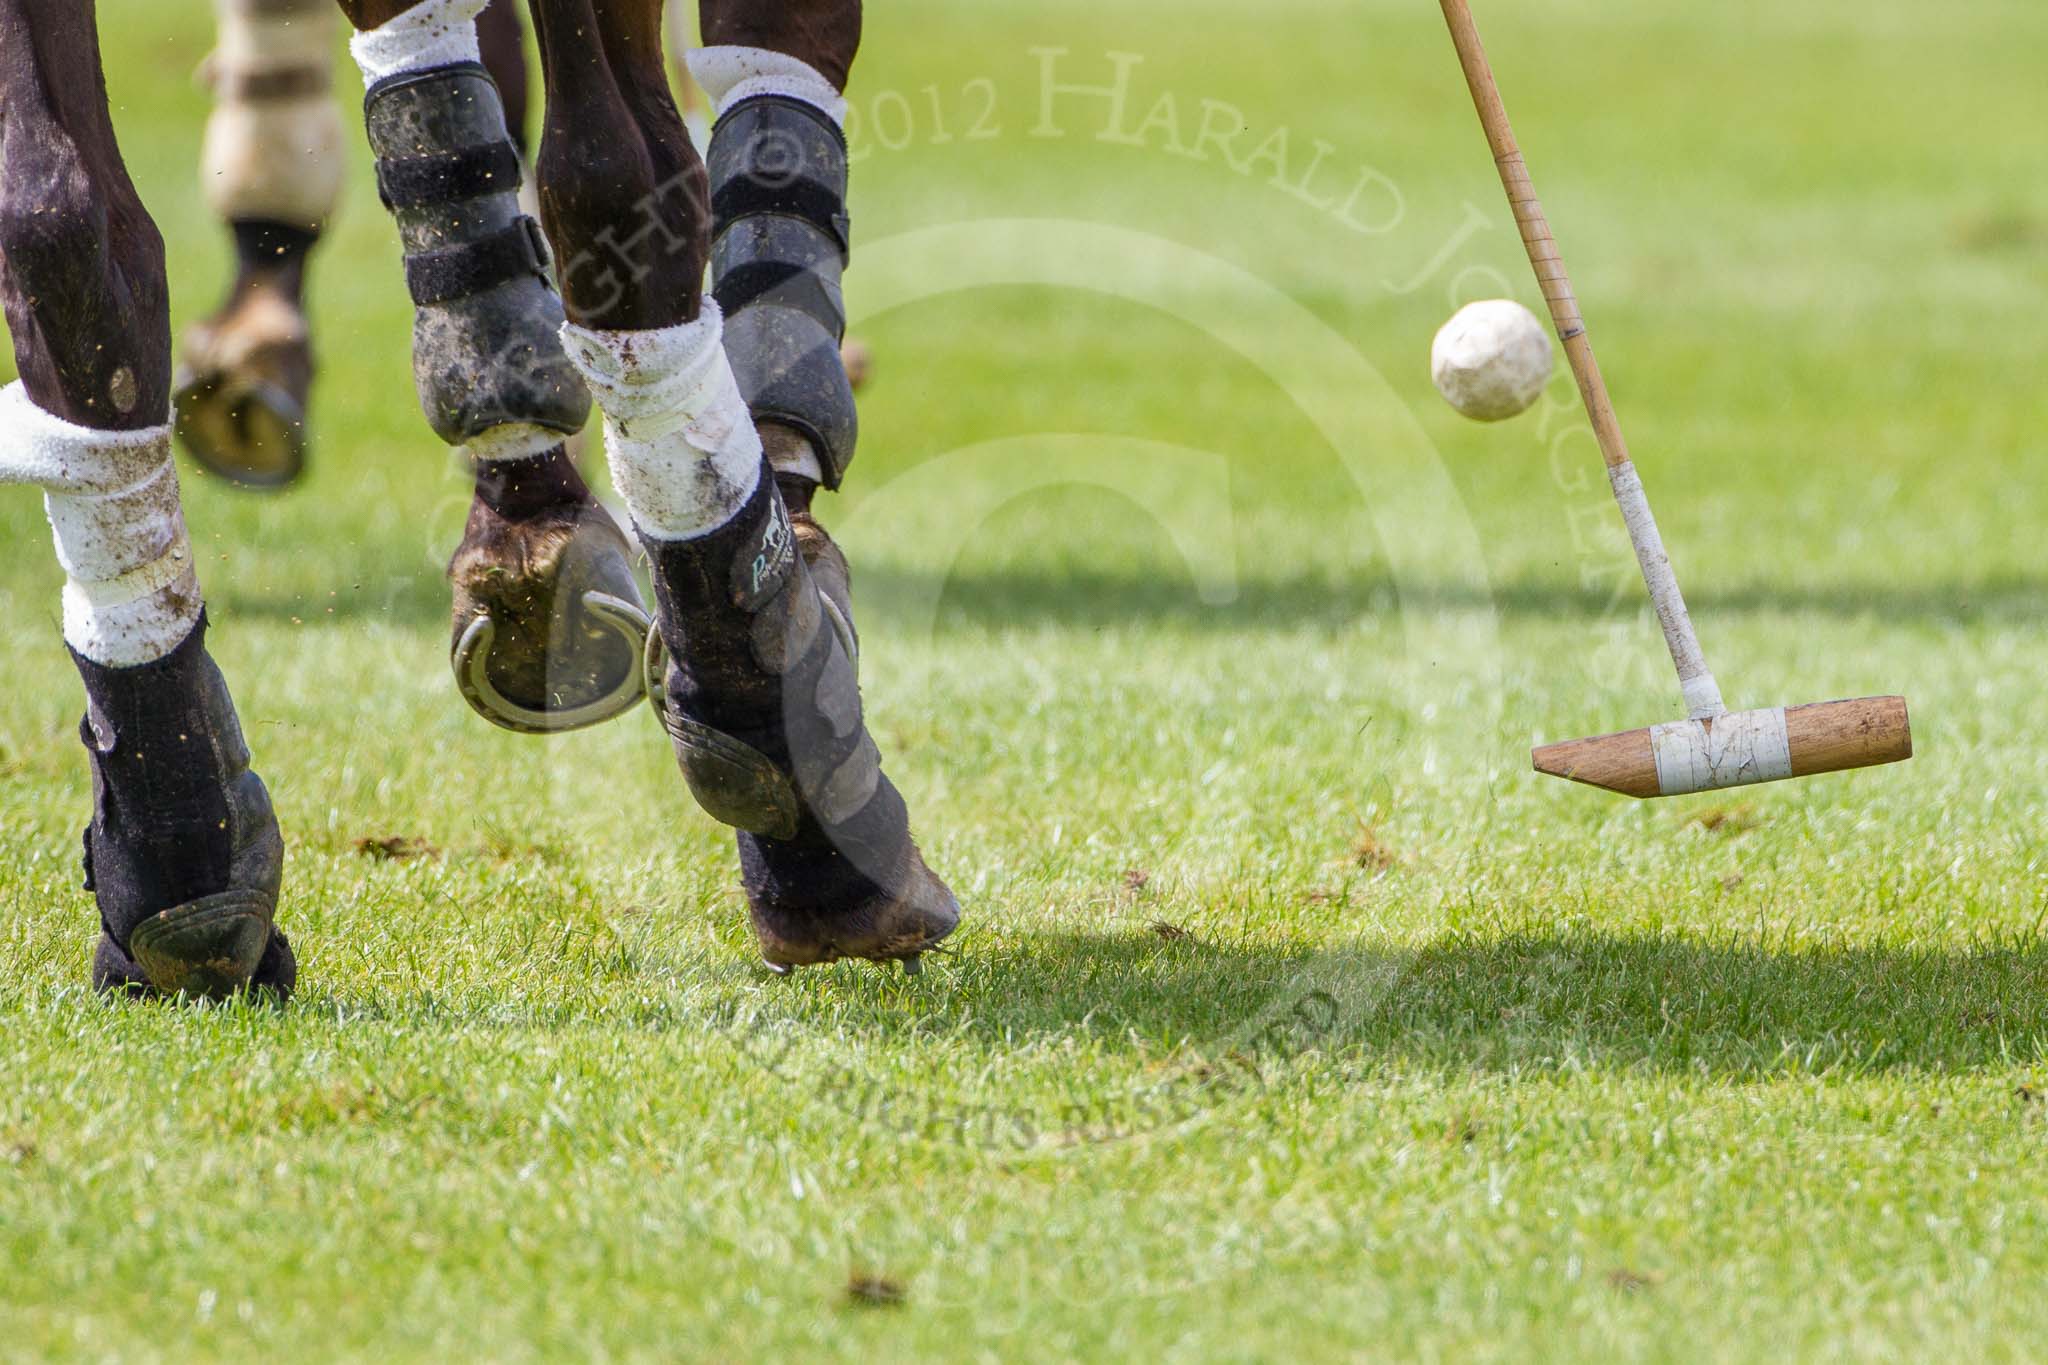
[435, 33]
[684, 453]
[1731, 750]
[112, 501]
[732, 74]
[1702, 693]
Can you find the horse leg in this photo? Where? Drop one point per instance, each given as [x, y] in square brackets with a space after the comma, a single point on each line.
[548, 623]
[758, 692]
[271, 168]
[501, 40]
[183, 852]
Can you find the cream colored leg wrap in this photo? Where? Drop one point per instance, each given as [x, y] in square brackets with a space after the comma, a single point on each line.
[112, 498]
[273, 147]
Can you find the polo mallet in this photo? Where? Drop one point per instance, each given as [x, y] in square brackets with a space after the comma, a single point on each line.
[1714, 747]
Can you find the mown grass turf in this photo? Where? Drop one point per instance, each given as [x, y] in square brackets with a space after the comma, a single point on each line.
[1292, 1017]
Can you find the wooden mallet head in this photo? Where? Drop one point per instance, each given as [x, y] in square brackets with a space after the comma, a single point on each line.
[1737, 748]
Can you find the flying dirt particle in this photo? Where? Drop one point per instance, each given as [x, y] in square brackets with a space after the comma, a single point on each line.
[395, 848]
[867, 1290]
[1631, 1281]
[1168, 930]
[1729, 819]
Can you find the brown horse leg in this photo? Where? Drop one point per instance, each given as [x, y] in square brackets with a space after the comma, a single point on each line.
[823, 34]
[547, 622]
[183, 853]
[759, 691]
[502, 39]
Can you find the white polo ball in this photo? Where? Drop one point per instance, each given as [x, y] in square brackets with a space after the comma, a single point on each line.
[1491, 360]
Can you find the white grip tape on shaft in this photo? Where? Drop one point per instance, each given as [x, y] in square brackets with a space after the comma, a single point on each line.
[1732, 750]
[1702, 693]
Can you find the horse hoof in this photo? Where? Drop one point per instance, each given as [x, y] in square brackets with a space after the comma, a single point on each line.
[913, 964]
[247, 431]
[240, 402]
[566, 708]
[549, 627]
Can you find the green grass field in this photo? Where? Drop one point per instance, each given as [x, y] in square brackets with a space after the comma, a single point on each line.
[1293, 1018]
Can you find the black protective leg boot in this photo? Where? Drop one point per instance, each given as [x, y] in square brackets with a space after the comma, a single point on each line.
[760, 697]
[183, 854]
[548, 624]
[764, 701]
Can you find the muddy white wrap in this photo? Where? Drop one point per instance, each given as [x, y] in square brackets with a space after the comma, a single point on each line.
[112, 499]
[683, 449]
[435, 33]
[732, 74]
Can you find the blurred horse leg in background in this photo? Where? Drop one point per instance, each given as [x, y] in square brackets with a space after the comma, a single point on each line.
[271, 169]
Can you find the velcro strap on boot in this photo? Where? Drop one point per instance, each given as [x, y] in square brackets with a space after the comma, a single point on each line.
[780, 238]
[449, 177]
[456, 272]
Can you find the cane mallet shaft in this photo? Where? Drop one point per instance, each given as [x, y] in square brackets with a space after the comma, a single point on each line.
[1714, 747]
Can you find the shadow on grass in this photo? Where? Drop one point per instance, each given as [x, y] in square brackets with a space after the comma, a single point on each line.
[1522, 1004]
[1527, 1002]
[1084, 597]
[1089, 597]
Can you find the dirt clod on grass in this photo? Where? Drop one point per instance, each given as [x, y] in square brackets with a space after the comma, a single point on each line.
[395, 848]
[867, 1290]
[1729, 819]
[1370, 852]
[1631, 1281]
